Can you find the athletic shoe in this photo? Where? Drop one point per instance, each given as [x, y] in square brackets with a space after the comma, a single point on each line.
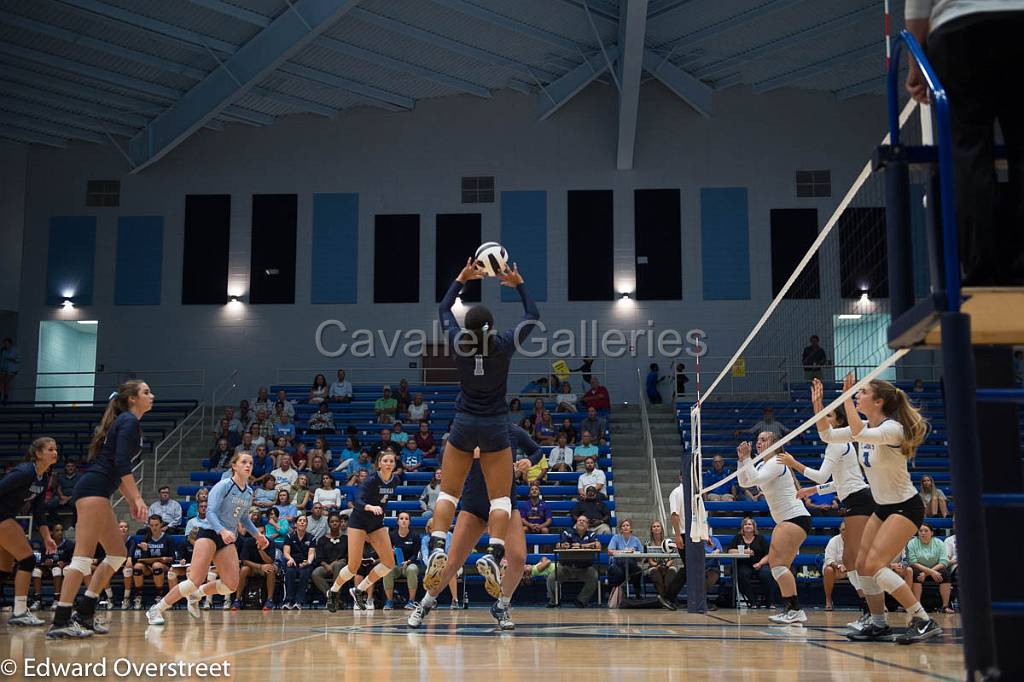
[488, 567]
[551, 605]
[286, 606]
[359, 597]
[226, 606]
[455, 606]
[666, 603]
[333, 598]
[871, 633]
[25, 620]
[155, 617]
[205, 604]
[860, 623]
[418, 614]
[789, 617]
[126, 604]
[91, 623]
[435, 567]
[192, 601]
[35, 606]
[268, 605]
[137, 605]
[297, 606]
[410, 606]
[388, 605]
[919, 630]
[501, 615]
[369, 603]
[70, 630]
[235, 605]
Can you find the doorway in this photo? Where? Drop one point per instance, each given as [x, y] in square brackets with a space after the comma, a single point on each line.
[67, 361]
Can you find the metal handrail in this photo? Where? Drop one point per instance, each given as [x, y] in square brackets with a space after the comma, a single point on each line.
[181, 434]
[944, 144]
[657, 500]
[233, 378]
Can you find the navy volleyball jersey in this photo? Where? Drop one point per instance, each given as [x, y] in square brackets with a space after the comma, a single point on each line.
[518, 438]
[122, 444]
[160, 547]
[22, 492]
[483, 378]
[375, 491]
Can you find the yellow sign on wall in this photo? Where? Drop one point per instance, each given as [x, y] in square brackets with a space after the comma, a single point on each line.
[560, 369]
[739, 369]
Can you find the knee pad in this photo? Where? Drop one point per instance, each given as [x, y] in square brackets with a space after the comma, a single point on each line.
[854, 579]
[445, 497]
[56, 572]
[158, 571]
[211, 577]
[502, 503]
[888, 580]
[869, 586]
[779, 571]
[128, 572]
[380, 570]
[139, 571]
[82, 564]
[36, 573]
[115, 562]
[223, 589]
[187, 587]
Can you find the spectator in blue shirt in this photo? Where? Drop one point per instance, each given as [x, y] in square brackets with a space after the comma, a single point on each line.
[285, 428]
[822, 504]
[262, 463]
[576, 570]
[285, 509]
[653, 395]
[534, 512]
[621, 565]
[398, 433]
[723, 493]
[412, 457]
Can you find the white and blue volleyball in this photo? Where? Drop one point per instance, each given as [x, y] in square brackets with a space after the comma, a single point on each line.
[492, 258]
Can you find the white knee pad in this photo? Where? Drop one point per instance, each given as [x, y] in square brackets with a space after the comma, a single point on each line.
[380, 570]
[502, 503]
[223, 589]
[56, 572]
[869, 586]
[854, 579]
[211, 577]
[445, 497]
[187, 587]
[115, 562]
[128, 571]
[888, 579]
[37, 573]
[779, 571]
[82, 564]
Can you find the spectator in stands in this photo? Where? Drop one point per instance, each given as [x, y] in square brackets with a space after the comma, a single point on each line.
[386, 407]
[543, 568]
[341, 390]
[398, 434]
[318, 391]
[927, 556]
[661, 572]
[316, 521]
[594, 425]
[285, 474]
[167, 509]
[246, 444]
[412, 457]
[348, 456]
[406, 543]
[331, 552]
[822, 504]
[301, 495]
[537, 473]
[534, 512]
[814, 360]
[299, 550]
[318, 466]
[364, 464]
[951, 557]
[725, 492]
[833, 569]
[193, 523]
[403, 395]
[276, 528]
[285, 430]
[585, 369]
[752, 494]
[527, 425]
[755, 547]
[327, 495]
[622, 567]
[425, 441]
[245, 416]
[544, 431]
[385, 443]
[591, 507]
[428, 498]
[156, 554]
[233, 423]
[9, 365]
[538, 410]
[63, 487]
[918, 386]
[225, 433]
[566, 400]
[536, 386]
[585, 449]
[320, 448]
[653, 380]
[592, 477]
[262, 401]
[515, 412]
[768, 423]
[265, 497]
[575, 570]
[285, 509]
[561, 456]
[321, 421]
[50, 564]
[264, 426]
[597, 396]
[193, 509]
[262, 463]
[257, 562]
[681, 379]
[934, 499]
[569, 430]
[418, 411]
[220, 454]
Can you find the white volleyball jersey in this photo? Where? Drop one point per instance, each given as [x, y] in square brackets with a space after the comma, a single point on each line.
[841, 465]
[776, 482]
[880, 456]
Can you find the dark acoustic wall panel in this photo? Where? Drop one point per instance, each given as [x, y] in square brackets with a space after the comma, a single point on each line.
[793, 232]
[590, 248]
[396, 258]
[204, 271]
[272, 264]
[657, 238]
[863, 260]
[457, 238]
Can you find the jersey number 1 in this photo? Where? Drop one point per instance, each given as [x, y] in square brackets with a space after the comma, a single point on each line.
[866, 462]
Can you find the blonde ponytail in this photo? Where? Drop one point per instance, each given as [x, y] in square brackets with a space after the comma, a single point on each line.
[119, 402]
[897, 406]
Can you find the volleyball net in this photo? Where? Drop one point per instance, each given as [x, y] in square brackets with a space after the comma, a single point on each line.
[837, 292]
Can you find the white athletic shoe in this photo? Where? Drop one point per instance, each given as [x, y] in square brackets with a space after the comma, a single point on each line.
[491, 572]
[154, 616]
[858, 625]
[435, 567]
[126, 604]
[24, 620]
[206, 604]
[192, 601]
[137, 604]
[789, 617]
[419, 613]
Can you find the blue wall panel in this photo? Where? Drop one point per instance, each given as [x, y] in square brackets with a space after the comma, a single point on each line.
[71, 261]
[140, 251]
[335, 248]
[725, 243]
[524, 234]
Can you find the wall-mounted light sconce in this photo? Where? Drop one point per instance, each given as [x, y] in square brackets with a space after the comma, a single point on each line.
[68, 304]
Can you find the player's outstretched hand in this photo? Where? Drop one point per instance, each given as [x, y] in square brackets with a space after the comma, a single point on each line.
[849, 381]
[743, 451]
[470, 272]
[511, 278]
[804, 493]
[817, 393]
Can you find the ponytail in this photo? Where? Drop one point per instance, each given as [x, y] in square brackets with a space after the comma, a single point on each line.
[38, 445]
[119, 402]
[896, 405]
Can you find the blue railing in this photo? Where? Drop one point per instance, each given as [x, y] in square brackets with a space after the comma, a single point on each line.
[944, 143]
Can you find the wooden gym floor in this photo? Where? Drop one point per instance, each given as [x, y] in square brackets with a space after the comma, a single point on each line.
[376, 646]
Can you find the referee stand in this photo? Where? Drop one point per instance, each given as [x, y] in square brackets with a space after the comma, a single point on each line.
[975, 329]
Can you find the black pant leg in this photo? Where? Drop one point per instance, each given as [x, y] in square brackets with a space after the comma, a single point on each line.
[744, 575]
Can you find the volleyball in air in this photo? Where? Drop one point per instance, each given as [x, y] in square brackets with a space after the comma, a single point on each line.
[492, 258]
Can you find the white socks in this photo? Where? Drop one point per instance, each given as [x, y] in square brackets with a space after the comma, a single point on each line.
[20, 605]
[343, 577]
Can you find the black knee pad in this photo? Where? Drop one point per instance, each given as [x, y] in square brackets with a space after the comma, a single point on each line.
[28, 563]
[138, 571]
[158, 571]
